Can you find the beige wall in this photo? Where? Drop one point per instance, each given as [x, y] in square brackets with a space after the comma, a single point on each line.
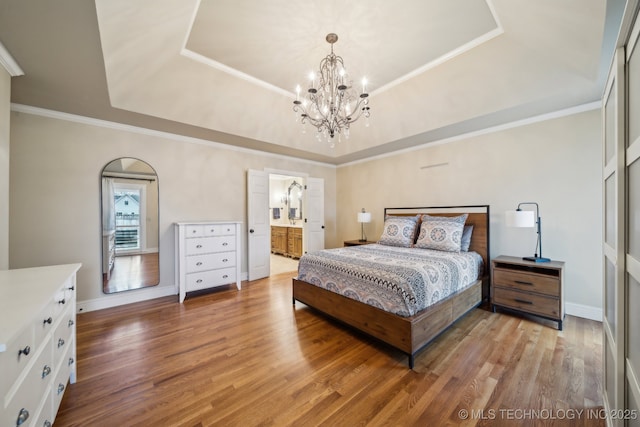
[556, 163]
[5, 100]
[55, 187]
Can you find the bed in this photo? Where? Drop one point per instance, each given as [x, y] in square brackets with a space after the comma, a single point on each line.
[411, 318]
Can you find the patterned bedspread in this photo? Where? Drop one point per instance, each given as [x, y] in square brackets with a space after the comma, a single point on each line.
[398, 280]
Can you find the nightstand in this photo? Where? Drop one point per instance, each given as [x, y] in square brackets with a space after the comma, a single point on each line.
[528, 287]
[357, 242]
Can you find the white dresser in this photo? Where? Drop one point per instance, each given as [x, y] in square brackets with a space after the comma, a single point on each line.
[37, 342]
[207, 255]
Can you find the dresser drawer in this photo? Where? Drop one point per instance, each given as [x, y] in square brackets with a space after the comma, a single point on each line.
[63, 335]
[529, 282]
[533, 303]
[197, 263]
[17, 356]
[203, 245]
[28, 395]
[61, 381]
[220, 230]
[45, 417]
[207, 279]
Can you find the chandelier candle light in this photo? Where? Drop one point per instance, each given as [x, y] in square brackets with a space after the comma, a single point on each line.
[331, 103]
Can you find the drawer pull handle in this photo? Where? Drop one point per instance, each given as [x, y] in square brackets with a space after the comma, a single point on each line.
[522, 301]
[198, 263]
[22, 417]
[60, 388]
[49, 320]
[199, 281]
[46, 423]
[62, 301]
[520, 282]
[71, 323]
[71, 361]
[46, 371]
[24, 351]
[225, 276]
[60, 342]
[193, 231]
[72, 288]
[198, 246]
[225, 260]
[213, 229]
[225, 244]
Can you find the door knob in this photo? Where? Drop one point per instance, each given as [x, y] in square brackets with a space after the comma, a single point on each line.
[251, 230]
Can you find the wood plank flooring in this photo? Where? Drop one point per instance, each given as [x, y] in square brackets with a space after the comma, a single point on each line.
[249, 358]
[132, 272]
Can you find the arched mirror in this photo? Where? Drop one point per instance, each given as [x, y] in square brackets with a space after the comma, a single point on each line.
[294, 199]
[130, 232]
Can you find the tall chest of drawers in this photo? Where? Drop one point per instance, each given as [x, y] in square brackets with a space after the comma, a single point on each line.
[207, 255]
[37, 342]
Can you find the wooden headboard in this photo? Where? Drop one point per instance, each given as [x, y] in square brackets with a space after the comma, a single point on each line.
[478, 217]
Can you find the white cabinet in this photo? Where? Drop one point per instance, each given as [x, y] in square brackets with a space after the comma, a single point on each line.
[207, 255]
[37, 342]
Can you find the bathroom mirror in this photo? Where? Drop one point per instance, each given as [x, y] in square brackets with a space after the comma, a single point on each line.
[129, 226]
[294, 199]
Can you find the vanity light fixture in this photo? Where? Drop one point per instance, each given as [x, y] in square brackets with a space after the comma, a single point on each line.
[363, 217]
[520, 218]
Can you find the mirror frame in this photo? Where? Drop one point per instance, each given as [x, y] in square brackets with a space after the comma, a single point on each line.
[108, 243]
[293, 185]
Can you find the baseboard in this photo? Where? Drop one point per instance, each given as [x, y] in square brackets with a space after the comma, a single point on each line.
[122, 298]
[584, 311]
[128, 297]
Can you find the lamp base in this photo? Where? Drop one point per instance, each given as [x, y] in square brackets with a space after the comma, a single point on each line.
[362, 240]
[536, 259]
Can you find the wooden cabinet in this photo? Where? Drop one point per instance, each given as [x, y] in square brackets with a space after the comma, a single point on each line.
[528, 287]
[279, 240]
[207, 255]
[37, 342]
[294, 242]
[286, 241]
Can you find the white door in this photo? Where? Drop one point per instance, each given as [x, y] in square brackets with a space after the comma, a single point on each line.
[259, 233]
[314, 215]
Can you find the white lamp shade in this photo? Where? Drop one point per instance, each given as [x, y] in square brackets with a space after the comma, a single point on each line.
[520, 218]
[364, 216]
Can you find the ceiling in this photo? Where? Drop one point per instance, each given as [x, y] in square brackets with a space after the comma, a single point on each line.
[226, 70]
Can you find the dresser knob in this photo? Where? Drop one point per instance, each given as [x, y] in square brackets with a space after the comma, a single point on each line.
[71, 361]
[46, 371]
[24, 351]
[22, 417]
[49, 320]
[225, 244]
[225, 276]
[60, 342]
[225, 260]
[71, 323]
[198, 246]
[72, 288]
[213, 230]
[47, 423]
[60, 388]
[62, 301]
[198, 263]
[199, 281]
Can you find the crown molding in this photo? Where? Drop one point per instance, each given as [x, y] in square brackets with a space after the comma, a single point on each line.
[9, 64]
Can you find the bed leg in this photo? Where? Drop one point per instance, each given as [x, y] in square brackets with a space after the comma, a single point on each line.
[411, 360]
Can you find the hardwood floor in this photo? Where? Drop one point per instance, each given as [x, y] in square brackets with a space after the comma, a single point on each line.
[244, 358]
[132, 272]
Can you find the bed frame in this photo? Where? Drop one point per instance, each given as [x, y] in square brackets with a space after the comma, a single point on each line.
[409, 334]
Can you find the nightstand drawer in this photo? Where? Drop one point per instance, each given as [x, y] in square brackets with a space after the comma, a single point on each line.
[532, 303]
[529, 282]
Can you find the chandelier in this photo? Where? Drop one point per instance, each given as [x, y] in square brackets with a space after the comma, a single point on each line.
[331, 103]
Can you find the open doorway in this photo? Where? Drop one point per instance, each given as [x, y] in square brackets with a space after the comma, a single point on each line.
[286, 222]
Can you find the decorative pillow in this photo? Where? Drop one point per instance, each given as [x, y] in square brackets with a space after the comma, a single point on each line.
[399, 231]
[466, 238]
[441, 232]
